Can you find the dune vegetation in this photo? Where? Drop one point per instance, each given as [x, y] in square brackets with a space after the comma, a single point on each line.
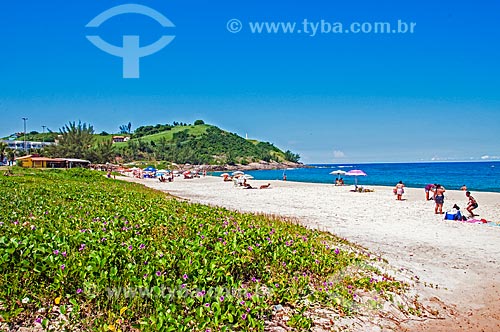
[83, 252]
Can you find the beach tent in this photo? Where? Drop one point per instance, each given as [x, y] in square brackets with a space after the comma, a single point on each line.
[356, 173]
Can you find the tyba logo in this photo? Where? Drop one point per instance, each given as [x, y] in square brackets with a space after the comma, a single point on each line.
[131, 51]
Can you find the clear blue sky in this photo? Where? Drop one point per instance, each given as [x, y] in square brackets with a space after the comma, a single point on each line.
[433, 94]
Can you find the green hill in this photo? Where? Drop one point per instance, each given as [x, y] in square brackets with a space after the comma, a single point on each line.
[199, 144]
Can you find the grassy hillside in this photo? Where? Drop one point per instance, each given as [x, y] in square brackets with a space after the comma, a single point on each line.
[80, 252]
[203, 144]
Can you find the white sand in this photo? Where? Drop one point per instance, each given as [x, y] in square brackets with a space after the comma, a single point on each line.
[462, 259]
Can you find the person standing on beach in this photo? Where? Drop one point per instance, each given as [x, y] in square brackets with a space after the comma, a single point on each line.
[439, 199]
[428, 189]
[399, 190]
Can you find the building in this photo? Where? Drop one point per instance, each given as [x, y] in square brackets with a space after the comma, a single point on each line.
[119, 139]
[19, 145]
[35, 161]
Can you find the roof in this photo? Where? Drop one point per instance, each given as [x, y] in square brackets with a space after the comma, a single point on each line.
[72, 160]
[39, 158]
[46, 159]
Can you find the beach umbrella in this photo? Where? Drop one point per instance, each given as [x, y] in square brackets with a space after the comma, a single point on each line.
[238, 173]
[338, 173]
[248, 177]
[224, 175]
[186, 172]
[355, 173]
[150, 169]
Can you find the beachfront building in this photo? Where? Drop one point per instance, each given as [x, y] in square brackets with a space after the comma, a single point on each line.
[30, 145]
[35, 161]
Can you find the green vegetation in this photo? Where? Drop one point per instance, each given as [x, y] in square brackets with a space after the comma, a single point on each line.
[201, 144]
[38, 137]
[82, 252]
[178, 143]
[79, 141]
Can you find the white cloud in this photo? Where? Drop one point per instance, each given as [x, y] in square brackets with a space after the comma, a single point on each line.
[487, 157]
[337, 154]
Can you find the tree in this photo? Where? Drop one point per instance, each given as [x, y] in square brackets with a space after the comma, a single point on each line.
[75, 141]
[126, 129]
[4, 150]
[293, 157]
[103, 152]
[199, 122]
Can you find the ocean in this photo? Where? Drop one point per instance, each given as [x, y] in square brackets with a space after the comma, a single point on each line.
[477, 176]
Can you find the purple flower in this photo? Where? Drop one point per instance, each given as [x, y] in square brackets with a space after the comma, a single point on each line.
[249, 295]
[250, 248]
[183, 286]
[158, 273]
[63, 267]
[253, 279]
[32, 227]
[38, 320]
[221, 298]
[142, 246]
[337, 251]
[242, 303]
[207, 305]
[79, 290]
[63, 253]
[130, 248]
[82, 247]
[103, 239]
[56, 252]
[244, 316]
[145, 275]
[185, 276]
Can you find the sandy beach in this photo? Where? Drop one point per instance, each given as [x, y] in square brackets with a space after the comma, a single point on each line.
[462, 260]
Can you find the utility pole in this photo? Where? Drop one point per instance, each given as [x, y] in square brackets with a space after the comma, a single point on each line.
[24, 119]
[43, 132]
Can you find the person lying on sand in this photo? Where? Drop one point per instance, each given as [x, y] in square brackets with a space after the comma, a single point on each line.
[265, 186]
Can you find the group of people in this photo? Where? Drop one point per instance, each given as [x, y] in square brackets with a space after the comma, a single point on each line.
[438, 191]
[438, 198]
[339, 182]
[169, 177]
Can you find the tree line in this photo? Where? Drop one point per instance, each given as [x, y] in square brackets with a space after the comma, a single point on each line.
[215, 146]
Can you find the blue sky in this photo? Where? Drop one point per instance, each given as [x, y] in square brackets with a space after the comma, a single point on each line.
[333, 98]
